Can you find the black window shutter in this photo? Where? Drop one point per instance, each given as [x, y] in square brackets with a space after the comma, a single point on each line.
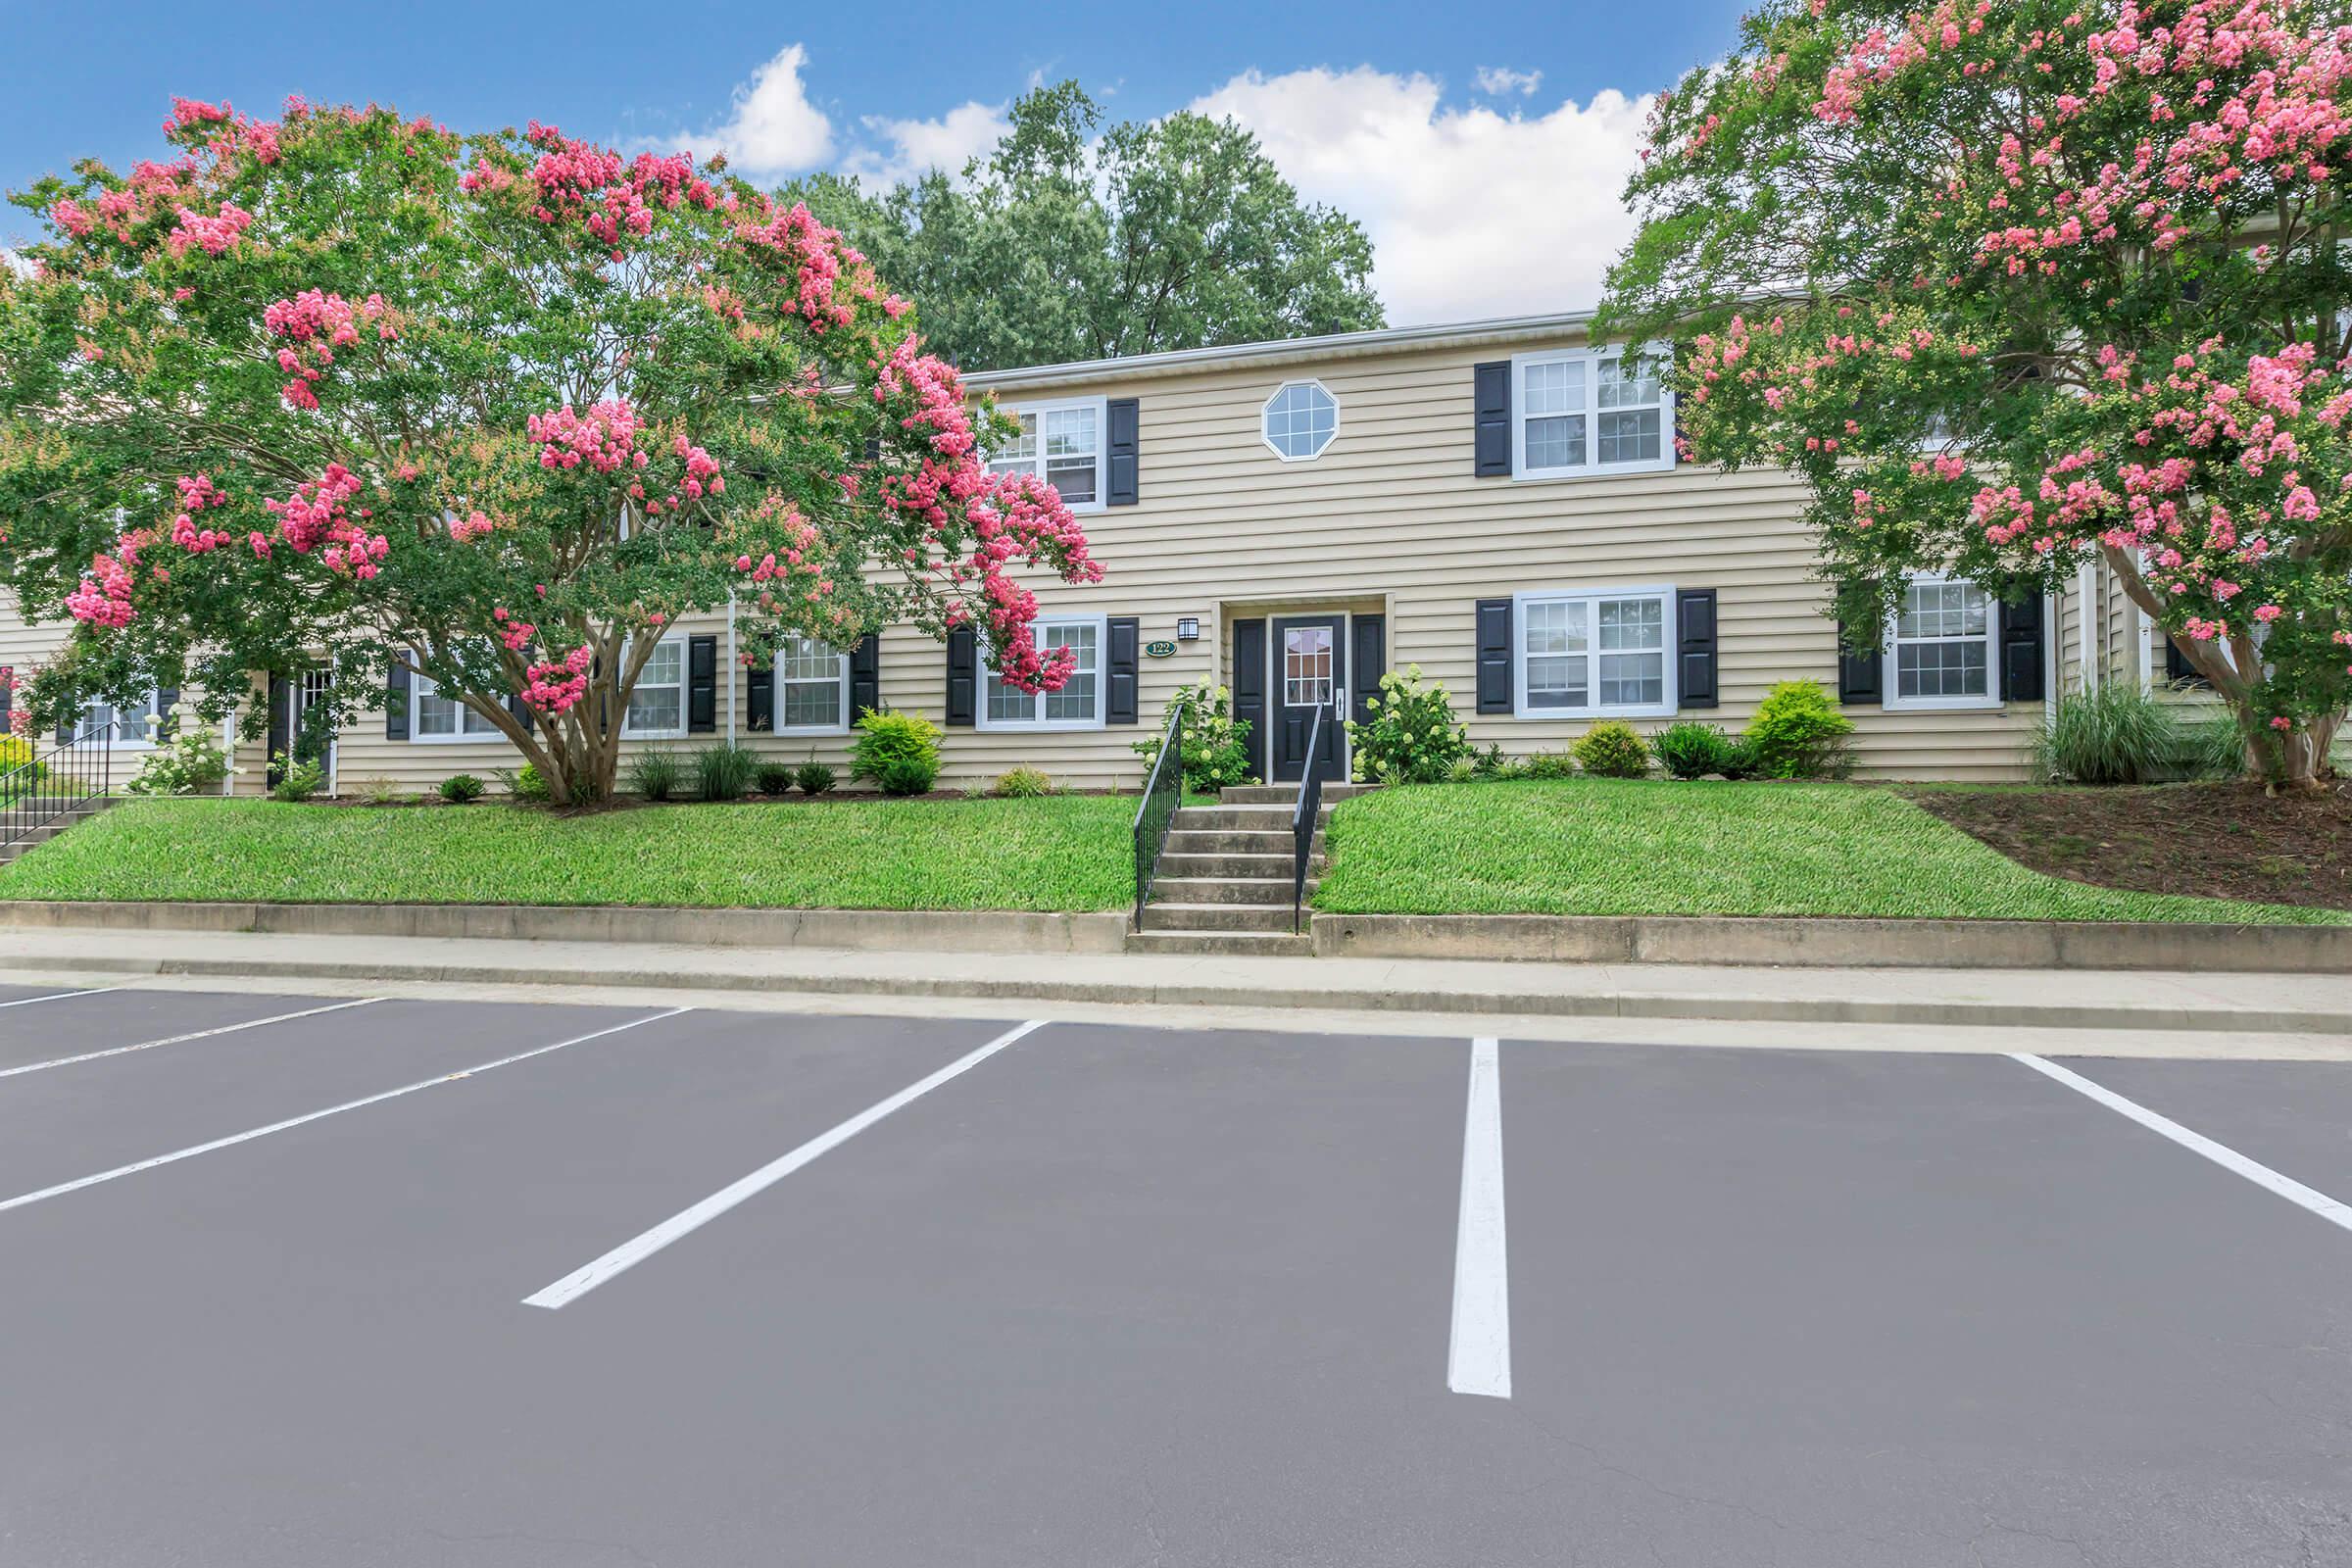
[1124, 665]
[167, 722]
[1493, 395]
[2177, 667]
[520, 709]
[280, 738]
[1126, 429]
[702, 685]
[1250, 688]
[1369, 661]
[1860, 677]
[1695, 676]
[964, 676]
[2020, 649]
[873, 449]
[396, 705]
[1493, 655]
[865, 675]
[65, 728]
[8, 698]
[760, 695]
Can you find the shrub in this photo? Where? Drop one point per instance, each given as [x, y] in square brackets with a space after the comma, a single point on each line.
[1216, 745]
[2111, 734]
[725, 772]
[1613, 749]
[190, 764]
[1543, 765]
[2209, 748]
[458, 789]
[897, 752]
[18, 773]
[375, 791]
[657, 773]
[774, 778]
[1411, 737]
[297, 782]
[1489, 763]
[1693, 751]
[1023, 784]
[1799, 732]
[524, 783]
[813, 778]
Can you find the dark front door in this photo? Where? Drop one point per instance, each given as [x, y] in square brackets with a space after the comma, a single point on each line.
[1310, 676]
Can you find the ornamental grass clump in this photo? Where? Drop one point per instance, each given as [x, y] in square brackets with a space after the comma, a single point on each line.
[725, 772]
[1411, 737]
[656, 773]
[1023, 784]
[2110, 734]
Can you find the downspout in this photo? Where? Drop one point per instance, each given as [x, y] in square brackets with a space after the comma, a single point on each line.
[732, 667]
[2086, 583]
[2054, 606]
[228, 749]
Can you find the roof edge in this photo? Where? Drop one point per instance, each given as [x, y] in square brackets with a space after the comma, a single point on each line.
[1282, 351]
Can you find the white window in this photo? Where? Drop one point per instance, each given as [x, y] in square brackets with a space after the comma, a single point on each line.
[1079, 703]
[1587, 412]
[1943, 638]
[435, 717]
[1299, 420]
[812, 688]
[135, 725]
[1584, 653]
[1061, 443]
[658, 702]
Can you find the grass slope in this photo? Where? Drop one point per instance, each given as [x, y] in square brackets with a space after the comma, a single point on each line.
[1639, 847]
[1062, 853]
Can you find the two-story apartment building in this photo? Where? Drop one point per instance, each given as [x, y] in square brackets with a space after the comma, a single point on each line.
[1495, 501]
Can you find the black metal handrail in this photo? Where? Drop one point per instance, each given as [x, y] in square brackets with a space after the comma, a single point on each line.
[1163, 793]
[58, 782]
[1302, 819]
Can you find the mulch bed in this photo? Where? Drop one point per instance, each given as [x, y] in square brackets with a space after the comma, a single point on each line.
[2223, 841]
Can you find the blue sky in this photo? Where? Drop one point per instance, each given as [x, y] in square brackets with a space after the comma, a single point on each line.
[1406, 117]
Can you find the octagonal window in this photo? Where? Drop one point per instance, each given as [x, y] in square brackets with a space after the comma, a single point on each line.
[1300, 419]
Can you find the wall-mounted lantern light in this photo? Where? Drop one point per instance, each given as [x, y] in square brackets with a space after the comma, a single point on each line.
[1188, 629]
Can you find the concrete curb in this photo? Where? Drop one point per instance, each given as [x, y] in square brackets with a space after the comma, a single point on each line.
[1495, 1000]
[1841, 944]
[849, 930]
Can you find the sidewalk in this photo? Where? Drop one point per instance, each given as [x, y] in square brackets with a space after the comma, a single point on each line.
[2300, 1015]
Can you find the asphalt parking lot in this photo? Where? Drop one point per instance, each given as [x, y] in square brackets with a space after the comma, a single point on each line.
[422, 1283]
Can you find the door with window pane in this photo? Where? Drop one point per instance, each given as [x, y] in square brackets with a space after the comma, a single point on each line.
[1310, 675]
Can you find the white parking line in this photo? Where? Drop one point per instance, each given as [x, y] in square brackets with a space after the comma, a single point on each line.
[1479, 1358]
[249, 1135]
[2230, 1159]
[60, 996]
[635, 1251]
[175, 1039]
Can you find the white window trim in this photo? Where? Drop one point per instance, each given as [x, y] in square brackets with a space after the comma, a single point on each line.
[1267, 407]
[776, 718]
[1661, 464]
[1101, 625]
[418, 737]
[628, 731]
[1102, 408]
[1890, 696]
[120, 742]
[1668, 650]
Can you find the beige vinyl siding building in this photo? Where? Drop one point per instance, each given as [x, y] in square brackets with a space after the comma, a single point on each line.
[1495, 503]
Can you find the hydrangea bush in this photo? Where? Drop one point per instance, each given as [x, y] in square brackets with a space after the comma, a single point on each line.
[2023, 285]
[494, 409]
[1411, 737]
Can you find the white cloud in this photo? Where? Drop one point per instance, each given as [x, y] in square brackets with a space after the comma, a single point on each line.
[775, 129]
[1471, 213]
[964, 133]
[1501, 81]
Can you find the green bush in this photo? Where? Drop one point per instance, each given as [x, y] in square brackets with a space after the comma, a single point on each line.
[2111, 734]
[725, 772]
[296, 782]
[774, 777]
[1489, 763]
[897, 752]
[526, 783]
[2208, 748]
[1216, 745]
[1692, 750]
[1613, 749]
[1023, 784]
[1543, 764]
[813, 778]
[190, 764]
[1799, 732]
[1411, 737]
[657, 773]
[460, 787]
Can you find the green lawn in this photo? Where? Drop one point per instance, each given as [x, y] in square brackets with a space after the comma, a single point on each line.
[1070, 852]
[1638, 847]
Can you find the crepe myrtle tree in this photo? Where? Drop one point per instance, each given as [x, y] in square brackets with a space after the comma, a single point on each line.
[2018, 285]
[352, 390]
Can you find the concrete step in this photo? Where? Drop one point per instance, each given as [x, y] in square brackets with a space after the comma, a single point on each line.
[1188, 865]
[1242, 890]
[1218, 916]
[1284, 793]
[1242, 818]
[1234, 840]
[1253, 944]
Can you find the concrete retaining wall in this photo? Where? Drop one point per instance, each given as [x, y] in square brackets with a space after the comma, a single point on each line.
[1817, 942]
